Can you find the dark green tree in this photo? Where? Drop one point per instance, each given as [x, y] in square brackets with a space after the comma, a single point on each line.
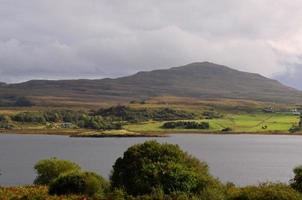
[87, 183]
[50, 169]
[151, 165]
[296, 182]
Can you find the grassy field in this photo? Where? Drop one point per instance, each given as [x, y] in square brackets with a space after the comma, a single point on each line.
[259, 122]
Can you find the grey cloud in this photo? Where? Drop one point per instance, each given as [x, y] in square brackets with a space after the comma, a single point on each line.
[110, 38]
[291, 76]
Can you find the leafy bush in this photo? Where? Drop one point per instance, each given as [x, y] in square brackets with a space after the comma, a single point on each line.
[296, 182]
[160, 195]
[5, 122]
[97, 122]
[53, 116]
[294, 129]
[4, 118]
[125, 113]
[186, 125]
[151, 165]
[87, 183]
[77, 118]
[118, 194]
[70, 116]
[211, 115]
[5, 125]
[227, 129]
[164, 114]
[35, 117]
[266, 191]
[50, 169]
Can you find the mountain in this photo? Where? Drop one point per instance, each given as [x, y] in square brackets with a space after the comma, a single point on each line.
[200, 80]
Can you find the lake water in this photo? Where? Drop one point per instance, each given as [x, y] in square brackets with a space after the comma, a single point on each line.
[242, 159]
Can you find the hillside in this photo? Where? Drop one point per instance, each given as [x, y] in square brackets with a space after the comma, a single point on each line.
[199, 80]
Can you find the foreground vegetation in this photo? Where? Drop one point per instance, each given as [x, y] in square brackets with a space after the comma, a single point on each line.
[33, 193]
[148, 171]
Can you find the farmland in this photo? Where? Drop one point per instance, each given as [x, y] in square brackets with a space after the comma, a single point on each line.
[238, 123]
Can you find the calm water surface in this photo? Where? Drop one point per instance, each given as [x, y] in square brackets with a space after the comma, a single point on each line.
[242, 159]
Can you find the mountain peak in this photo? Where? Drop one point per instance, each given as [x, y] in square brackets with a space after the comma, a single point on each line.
[204, 65]
[198, 79]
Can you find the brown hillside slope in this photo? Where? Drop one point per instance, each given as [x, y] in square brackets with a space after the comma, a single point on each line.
[201, 80]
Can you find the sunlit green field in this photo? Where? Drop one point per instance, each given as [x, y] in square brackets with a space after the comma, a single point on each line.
[260, 122]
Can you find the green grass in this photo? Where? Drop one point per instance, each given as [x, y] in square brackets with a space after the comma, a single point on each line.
[276, 122]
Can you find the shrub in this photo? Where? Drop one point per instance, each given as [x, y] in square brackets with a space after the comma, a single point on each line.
[4, 118]
[50, 169]
[78, 118]
[159, 195]
[52, 116]
[117, 194]
[296, 182]
[87, 183]
[164, 114]
[227, 129]
[266, 191]
[211, 114]
[125, 113]
[5, 125]
[35, 117]
[294, 129]
[186, 125]
[98, 122]
[5, 122]
[151, 165]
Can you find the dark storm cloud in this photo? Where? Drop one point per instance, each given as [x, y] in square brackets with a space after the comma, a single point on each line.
[95, 39]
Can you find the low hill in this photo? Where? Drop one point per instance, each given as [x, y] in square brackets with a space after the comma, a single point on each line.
[199, 80]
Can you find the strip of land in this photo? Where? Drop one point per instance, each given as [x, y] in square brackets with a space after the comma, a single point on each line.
[156, 117]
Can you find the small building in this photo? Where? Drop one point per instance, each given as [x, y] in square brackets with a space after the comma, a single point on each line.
[295, 112]
[67, 125]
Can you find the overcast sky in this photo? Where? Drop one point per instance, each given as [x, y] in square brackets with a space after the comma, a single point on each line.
[56, 39]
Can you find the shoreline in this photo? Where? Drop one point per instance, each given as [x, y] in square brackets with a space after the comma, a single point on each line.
[83, 133]
[119, 136]
[223, 133]
[78, 133]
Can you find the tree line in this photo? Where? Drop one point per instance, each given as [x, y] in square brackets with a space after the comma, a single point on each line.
[102, 119]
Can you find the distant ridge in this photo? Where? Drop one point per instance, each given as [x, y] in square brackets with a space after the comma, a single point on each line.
[200, 80]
